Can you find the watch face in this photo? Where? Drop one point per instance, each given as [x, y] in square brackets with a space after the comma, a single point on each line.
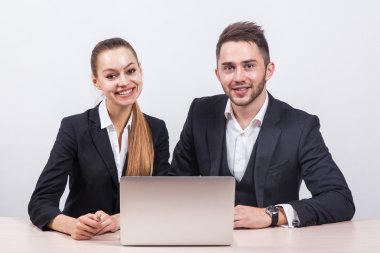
[272, 209]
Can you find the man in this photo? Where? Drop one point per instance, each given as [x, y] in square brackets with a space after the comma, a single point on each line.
[268, 146]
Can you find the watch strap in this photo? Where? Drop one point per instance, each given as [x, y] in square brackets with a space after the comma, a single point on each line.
[274, 218]
[273, 211]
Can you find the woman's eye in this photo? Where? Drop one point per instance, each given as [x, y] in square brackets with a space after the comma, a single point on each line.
[131, 71]
[111, 76]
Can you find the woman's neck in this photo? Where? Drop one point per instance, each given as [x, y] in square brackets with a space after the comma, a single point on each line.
[119, 115]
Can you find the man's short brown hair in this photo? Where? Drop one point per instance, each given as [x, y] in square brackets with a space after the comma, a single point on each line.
[244, 31]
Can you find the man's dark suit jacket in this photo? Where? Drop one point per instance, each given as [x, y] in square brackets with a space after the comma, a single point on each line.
[83, 152]
[290, 148]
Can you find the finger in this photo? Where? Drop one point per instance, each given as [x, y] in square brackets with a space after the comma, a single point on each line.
[81, 234]
[92, 230]
[81, 237]
[238, 214]
[109, 225]
[105, 229]
[85, 234]
[89, 220]
[94, 216]
[105, 218]
[100, 215]
[238, 224]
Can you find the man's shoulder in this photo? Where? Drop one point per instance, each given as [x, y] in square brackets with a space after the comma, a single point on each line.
[288, 111]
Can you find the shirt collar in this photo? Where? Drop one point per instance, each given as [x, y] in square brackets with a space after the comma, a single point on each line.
[228, 112]
[105, 120]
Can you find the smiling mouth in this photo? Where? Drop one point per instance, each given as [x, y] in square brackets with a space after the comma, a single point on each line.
[125, 92]
[241, 89]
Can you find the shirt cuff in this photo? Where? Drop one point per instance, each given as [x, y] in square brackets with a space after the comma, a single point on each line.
[291, 215]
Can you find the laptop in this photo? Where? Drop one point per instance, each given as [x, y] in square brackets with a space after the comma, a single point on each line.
[176, 210]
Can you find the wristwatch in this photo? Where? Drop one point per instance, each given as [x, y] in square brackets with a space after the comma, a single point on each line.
[272, 211]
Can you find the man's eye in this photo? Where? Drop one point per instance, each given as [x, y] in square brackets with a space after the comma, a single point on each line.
[229, 68]
[249, 66]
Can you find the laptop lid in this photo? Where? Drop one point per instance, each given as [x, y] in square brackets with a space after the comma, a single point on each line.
[176, 210]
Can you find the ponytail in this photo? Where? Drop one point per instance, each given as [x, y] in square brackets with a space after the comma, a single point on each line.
[140, 146]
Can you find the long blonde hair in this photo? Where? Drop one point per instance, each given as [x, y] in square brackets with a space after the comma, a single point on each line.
[140, 143]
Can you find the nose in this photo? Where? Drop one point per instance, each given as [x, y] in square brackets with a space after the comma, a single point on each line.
[123, 81]
[239, 75]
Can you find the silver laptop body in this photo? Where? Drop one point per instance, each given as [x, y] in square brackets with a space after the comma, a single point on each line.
[176, 210]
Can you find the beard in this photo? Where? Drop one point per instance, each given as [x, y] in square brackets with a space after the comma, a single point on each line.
[254, 92]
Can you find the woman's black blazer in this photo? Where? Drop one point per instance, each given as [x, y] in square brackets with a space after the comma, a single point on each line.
[82, 153]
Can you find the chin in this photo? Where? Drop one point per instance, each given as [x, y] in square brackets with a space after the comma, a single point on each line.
[240, 101]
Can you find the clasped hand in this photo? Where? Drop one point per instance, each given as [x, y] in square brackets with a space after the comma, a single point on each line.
[91, 224]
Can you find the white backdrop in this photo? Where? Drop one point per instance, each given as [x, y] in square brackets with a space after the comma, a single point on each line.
[326, 54]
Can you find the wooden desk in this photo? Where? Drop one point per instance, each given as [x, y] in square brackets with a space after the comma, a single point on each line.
[19, 235]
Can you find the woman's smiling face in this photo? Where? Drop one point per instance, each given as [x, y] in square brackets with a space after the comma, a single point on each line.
[119, 76]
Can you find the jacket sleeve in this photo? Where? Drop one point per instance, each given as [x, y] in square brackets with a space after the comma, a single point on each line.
[161, 152]
[44, 203]
[184, 161]
[331, 199]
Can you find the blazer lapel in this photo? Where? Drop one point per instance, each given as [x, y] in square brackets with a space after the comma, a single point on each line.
[216, 129]
[102, 144]
[266, 143]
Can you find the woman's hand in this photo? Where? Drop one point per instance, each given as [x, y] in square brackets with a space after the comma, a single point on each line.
[85, 227]
[82, 228]
[109, 223]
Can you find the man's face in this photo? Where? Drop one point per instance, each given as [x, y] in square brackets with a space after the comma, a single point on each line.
[242, 72]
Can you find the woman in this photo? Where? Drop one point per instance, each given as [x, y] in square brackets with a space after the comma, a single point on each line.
[95, 148]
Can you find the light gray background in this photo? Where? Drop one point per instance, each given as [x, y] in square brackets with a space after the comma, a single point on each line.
[326, 55]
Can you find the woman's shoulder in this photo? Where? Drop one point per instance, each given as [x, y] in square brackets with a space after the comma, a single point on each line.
[157, 126]
[153, 121]
[82, 119]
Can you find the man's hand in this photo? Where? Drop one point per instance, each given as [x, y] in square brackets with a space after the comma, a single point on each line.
[250, 217]
[254, 217]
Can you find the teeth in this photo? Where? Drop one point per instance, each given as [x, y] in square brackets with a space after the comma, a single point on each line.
[125, 92]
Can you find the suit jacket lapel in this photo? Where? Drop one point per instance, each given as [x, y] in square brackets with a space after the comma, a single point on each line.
[103, 145]
[216, 129]
[266, 143]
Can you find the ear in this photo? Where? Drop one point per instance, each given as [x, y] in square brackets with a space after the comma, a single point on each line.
[269, 71]
[95, 82]
[217, 73]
